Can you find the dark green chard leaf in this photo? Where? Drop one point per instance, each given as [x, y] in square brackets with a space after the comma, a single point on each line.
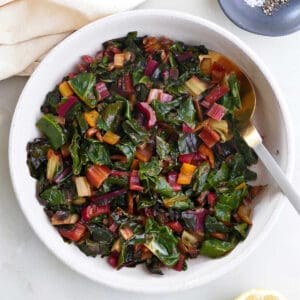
[52, 130]
[233, 198]
[183, 205]
[174, 151]
[242, 229]
[70, 188]
[187, 113]
[142, 92]
[176, 89]
[111, 77]
[103, 237]
[177, 47]
[128, 115]
[237, 166]
[250, 175]
[137, 75]
[249, 156]
[162, 243]
[116, 98]
[135, 132]
[128, 149]
[163, 188]
[227, 202]
[239, 172]
[235, 182]
[116, 43]
[173, 120]
[126, 257]
[200, 176]
[213, 225]
[201, 49]
[51, 102]
[187, 73]
[82, 124]
[154, 265]
[145, 80]
[223, 212]
[101, 124]
[146, 201]
[216, 177]
[162, 148]
[37, 156]
[116, 181]
[120, 216]
[114, 201]
[74, 111]
[131, 45]
[162, 109]
[100, 68]
[95, 152]
[74, 150]
[187, 143]
[137, 239]
[98, 220]
[120, 202]
[137, 229]
[83, 85]
[215, 248]
[90, 248]
[228, 102]
[234, 89]
[149, 171]
[112, 115]
[54, 197]
[121, 166]
[42, 184]
[172, 60]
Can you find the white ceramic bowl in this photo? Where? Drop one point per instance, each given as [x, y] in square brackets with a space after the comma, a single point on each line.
[271, 119]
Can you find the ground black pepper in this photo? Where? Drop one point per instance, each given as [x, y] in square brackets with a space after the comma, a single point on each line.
[271, 6]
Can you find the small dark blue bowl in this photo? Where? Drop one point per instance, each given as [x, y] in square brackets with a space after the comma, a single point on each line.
[284, 21]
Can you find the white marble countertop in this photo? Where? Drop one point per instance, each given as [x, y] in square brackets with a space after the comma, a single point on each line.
[29, 271]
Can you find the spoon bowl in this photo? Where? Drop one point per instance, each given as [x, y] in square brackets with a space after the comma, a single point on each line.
[248, 131]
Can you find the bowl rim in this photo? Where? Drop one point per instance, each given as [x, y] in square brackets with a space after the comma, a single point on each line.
[146, 289]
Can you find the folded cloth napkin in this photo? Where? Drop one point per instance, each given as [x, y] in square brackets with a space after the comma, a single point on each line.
[30, 28]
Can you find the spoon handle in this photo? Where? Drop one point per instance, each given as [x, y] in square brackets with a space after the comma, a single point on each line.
[275, 171]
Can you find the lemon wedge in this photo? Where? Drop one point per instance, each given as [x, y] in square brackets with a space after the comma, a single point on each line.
[261, 294]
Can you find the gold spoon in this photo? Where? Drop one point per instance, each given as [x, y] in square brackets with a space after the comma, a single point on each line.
[250, 133]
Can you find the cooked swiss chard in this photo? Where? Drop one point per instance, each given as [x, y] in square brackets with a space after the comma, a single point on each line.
[141, 160]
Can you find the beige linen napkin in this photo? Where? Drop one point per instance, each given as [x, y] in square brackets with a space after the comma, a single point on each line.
[30, 28]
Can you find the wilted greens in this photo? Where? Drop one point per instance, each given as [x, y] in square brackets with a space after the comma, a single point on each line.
[140, 160]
